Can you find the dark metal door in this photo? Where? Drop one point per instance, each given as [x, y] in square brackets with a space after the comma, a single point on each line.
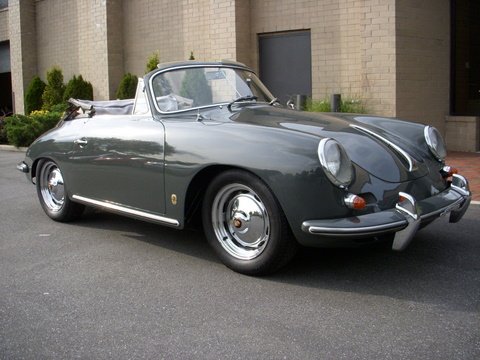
[286, 64]
[5, 78]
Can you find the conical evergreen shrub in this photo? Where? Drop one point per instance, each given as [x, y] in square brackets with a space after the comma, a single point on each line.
[78, 88]
[33, 96]
[127, 87]
[53, 94]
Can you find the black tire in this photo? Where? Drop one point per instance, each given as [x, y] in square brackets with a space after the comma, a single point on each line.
[245, 224]
[52, 193]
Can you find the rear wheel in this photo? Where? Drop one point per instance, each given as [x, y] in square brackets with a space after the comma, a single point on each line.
[245, 225]
[52, 193]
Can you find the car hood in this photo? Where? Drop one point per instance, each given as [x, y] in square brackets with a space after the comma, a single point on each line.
[376, 150]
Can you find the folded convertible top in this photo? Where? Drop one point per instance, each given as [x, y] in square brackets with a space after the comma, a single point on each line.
[110, 107]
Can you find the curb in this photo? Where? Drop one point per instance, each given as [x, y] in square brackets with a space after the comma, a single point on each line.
[13, 148]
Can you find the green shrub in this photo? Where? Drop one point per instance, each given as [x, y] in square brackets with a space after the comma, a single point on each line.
[353, 104]
[55, 89]
[33, 96]
[153, 61]
[22, 130]
[78, 88]
[59, 108]
[127, 87]
[318, 105]
[3, 134]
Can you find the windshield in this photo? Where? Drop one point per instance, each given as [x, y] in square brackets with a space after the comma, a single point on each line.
[195, 87]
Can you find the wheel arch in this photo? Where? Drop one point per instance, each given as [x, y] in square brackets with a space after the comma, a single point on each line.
[196, 189]
[34, 167]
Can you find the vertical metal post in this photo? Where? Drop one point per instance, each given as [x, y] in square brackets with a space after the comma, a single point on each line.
[335, 100]
[300, 102]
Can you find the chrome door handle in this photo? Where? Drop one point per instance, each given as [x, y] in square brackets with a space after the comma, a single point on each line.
[81, 142]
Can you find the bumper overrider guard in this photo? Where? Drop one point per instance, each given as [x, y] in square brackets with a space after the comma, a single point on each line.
[404, 220]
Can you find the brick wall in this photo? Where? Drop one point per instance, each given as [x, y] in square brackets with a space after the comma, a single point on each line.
[4, 34]
[353, 44]
[394, 54]
[73, 35]
[23, 54]
[423, 61]
[115, 61]
[378, 55]
[463, 133]
[209, 28]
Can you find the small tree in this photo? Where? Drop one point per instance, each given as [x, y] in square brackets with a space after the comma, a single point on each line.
[78, 88]
[33, 96]
[153, 61]
[54, 90]
[192, 57]
[127, 87]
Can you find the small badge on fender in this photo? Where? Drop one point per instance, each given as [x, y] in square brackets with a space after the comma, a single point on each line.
[174, 199]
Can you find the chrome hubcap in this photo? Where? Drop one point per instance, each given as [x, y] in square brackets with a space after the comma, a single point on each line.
[52, 186]
[240, 221]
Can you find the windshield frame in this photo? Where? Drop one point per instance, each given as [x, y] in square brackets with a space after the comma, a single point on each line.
[257, 83]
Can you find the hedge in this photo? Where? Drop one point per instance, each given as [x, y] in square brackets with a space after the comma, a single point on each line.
[22, 130]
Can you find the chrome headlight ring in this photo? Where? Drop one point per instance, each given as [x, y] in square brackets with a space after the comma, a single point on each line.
[335, 162]
[435, 142]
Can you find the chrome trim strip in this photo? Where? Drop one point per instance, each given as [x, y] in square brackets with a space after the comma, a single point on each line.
[356, 231]
[409, 208]
[412, 164]
[460, 185]
[128, 211]
[367, 230]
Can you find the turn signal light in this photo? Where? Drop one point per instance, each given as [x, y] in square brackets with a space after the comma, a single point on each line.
[451, 170]
[448, 171]
[355, 202]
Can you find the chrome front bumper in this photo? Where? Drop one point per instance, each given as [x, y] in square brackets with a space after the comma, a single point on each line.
[23, 167]
[404, 220]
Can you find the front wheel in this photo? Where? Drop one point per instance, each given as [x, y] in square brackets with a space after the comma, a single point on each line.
[52, 193]
[245, 225]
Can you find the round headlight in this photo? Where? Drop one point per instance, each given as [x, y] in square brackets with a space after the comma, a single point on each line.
[435, 142]
[335, 162]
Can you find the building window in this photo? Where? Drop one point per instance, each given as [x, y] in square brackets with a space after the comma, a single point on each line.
[3, 4]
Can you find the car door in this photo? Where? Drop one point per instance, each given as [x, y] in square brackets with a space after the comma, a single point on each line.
[120, 160]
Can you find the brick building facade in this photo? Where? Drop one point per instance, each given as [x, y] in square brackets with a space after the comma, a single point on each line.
[396, 54]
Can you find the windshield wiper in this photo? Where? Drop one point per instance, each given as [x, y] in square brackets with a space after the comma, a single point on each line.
[275, 100]
[241, 98]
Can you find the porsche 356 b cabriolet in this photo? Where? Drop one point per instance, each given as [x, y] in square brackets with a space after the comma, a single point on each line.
[208, 141]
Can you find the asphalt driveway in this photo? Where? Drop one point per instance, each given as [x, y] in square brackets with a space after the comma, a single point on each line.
[108, 287]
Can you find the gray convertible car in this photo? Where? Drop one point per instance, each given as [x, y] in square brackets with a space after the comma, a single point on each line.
[208, 141]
